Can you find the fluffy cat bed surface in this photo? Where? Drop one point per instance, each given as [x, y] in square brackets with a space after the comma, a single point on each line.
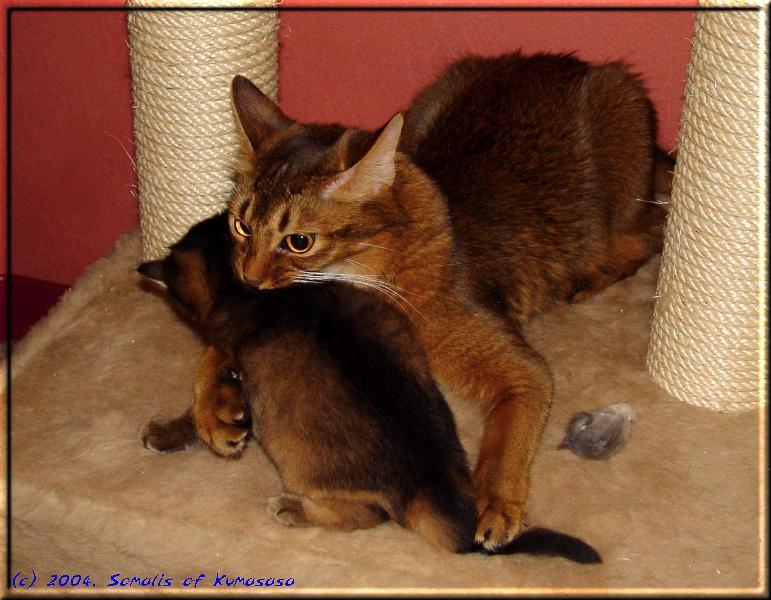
[676, 508]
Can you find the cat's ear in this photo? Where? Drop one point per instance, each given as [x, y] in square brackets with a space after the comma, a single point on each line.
[373, 173]
[153, 269]
[259, 116]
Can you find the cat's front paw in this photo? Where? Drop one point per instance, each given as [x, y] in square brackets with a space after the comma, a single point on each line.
[498, 522]
[222, 418]
[287, 509]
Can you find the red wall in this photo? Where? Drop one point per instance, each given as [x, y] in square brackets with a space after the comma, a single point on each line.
[361, 67]
[71, 178]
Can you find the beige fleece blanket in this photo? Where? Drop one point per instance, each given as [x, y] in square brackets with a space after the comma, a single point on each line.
[678, 507]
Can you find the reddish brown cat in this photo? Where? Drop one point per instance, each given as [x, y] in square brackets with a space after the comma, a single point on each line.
[510, 184]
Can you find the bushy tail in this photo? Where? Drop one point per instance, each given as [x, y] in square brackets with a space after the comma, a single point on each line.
[545, 542]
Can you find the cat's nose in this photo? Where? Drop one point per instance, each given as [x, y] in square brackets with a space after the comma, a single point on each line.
[260, 284]
[252, 281]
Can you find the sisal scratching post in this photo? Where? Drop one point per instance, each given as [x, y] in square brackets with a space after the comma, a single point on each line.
[182, 63]
[708, 336]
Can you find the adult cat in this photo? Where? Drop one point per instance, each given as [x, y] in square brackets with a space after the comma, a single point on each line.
[341, 400]
[510, 184]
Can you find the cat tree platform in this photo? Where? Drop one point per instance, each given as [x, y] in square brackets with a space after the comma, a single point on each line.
[678, 507]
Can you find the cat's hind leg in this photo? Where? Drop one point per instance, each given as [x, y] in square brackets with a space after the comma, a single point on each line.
[220, 412]
[339, 513]
[170, 435]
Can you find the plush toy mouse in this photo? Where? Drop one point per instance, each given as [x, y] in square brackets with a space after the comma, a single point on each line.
[600, 433]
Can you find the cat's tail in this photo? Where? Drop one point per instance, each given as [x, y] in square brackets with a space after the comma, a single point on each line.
[545, 542]
[448, 521]
[663, 170]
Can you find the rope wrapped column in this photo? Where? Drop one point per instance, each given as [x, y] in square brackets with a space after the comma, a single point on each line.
[182, 63]
[707, 342]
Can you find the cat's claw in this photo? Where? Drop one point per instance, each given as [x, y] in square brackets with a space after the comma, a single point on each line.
[498, 523]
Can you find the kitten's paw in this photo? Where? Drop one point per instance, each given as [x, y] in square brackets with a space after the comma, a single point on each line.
[170, 435]
[225, 437]
[223, 420]
[287, 509]
[499, 521]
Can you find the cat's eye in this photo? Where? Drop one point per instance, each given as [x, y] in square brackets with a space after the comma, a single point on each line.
[241, 228]
[299, 243]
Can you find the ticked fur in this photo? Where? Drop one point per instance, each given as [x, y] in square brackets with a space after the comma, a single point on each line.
[340, 395]
[510, 184]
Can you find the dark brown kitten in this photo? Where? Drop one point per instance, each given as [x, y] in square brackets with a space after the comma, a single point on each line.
[341, 401]
[515, 182]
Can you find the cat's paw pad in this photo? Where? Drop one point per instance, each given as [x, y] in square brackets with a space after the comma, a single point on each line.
[233, 413]
[228, 439]
[166, 436]
[287, 509]
[499, 521]
[224, 427]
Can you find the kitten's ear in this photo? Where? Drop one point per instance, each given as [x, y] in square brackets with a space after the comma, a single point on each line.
[259, 116]
[373, 173]
[153, 269]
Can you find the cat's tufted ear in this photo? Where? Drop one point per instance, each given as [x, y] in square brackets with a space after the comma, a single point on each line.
[373, 173]
[154, 271]
[259, 116]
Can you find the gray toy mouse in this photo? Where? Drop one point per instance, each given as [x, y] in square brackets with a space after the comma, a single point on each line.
[600, 433]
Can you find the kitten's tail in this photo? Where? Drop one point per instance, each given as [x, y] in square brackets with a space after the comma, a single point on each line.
[545, 542]
[663, 170]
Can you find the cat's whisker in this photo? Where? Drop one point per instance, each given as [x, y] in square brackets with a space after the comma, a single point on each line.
[381, 282]
[354, 262]
[375, 246]
[239, 199]
[131, 158]
[660, 202]
[392, 291]
[367, 281]
[385, 290]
